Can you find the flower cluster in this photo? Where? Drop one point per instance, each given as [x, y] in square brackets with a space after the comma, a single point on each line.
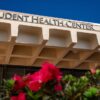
[36, 81]
[49, 84]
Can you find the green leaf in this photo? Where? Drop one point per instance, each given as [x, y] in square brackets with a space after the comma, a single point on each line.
[9, 84]
[69, 78]
[91, 92]
[84, 79]
[85, 98]
[98, 71]
[88, 94]
[30, 94]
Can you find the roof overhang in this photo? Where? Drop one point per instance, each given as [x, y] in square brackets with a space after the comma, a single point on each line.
[29, 40]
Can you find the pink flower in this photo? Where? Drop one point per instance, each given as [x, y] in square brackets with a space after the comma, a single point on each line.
[35, 85]
[58, 74]
[37, 76]
[27, 78]
[93, 70]
[21, 96]
[13, 98]
[58, 87]
[46, 75]
[35, 81]
[19, 84]
[51, 72]
[16, 77]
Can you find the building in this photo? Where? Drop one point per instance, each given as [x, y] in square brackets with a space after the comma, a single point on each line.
[28, 40]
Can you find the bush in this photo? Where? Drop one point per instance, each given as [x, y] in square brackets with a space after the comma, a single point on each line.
[49, 84]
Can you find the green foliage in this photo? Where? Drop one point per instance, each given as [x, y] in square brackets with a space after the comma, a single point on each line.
[84, 87]
[9, 84]
[90, 92]
[32, 95]
[69, 78]
[73, 88]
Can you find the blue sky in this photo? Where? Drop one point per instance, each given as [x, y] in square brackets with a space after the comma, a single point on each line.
[84, 10]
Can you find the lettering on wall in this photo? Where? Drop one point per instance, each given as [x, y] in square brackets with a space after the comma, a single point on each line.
[46, 20]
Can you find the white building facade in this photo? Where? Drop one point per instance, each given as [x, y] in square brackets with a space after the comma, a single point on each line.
[29, 40]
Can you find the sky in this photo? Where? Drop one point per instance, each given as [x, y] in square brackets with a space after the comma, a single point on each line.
[83, 10]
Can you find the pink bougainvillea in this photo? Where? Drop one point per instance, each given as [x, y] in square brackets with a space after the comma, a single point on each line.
[93, 70]
[58, 87]
[19, 83]
[48, 83]
[35, 81]
[21, 96]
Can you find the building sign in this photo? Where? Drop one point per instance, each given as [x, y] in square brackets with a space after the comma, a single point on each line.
[46, 20]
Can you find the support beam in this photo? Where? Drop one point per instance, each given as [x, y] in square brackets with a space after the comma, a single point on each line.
[45, 36]
[14, 34]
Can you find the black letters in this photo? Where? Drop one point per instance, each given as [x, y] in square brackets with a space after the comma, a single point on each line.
[35, 19]
[8, 16]
[46, 21]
